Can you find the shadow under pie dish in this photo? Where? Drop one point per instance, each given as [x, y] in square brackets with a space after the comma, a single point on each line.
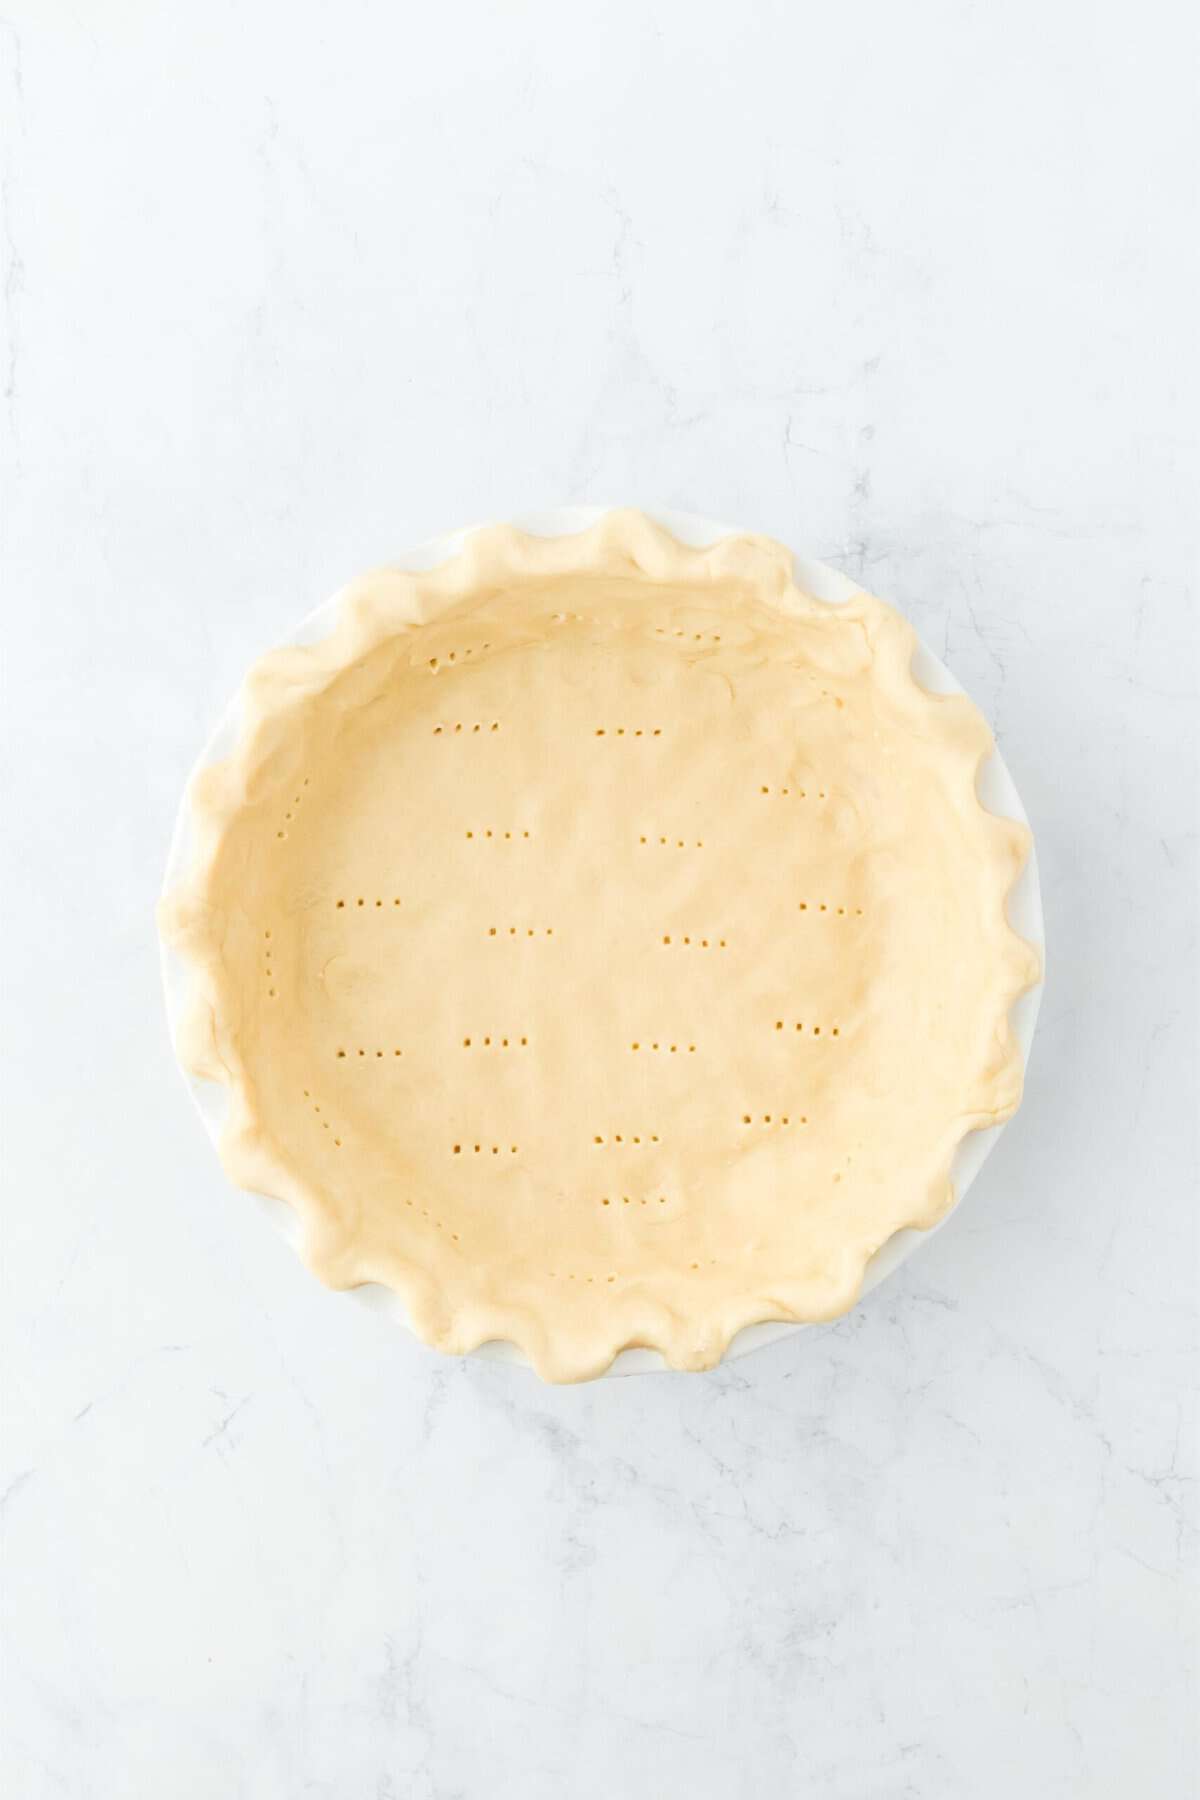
[601, 943]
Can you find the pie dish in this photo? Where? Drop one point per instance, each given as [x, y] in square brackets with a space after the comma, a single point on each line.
[601, 943]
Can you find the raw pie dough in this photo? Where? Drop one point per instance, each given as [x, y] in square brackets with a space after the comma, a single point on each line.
[602, 943]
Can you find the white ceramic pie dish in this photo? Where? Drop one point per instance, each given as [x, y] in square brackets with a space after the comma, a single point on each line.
[996, 788]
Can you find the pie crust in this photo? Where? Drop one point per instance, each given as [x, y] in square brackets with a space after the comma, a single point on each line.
[602, 943]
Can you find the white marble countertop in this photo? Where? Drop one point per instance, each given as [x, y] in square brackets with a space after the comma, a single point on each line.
[289, 287]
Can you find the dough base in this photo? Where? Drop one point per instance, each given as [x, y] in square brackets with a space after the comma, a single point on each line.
[603, 943]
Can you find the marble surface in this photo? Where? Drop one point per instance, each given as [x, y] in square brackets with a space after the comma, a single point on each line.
[286, 288]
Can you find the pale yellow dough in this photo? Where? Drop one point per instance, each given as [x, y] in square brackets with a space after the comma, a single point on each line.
[602, 943]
